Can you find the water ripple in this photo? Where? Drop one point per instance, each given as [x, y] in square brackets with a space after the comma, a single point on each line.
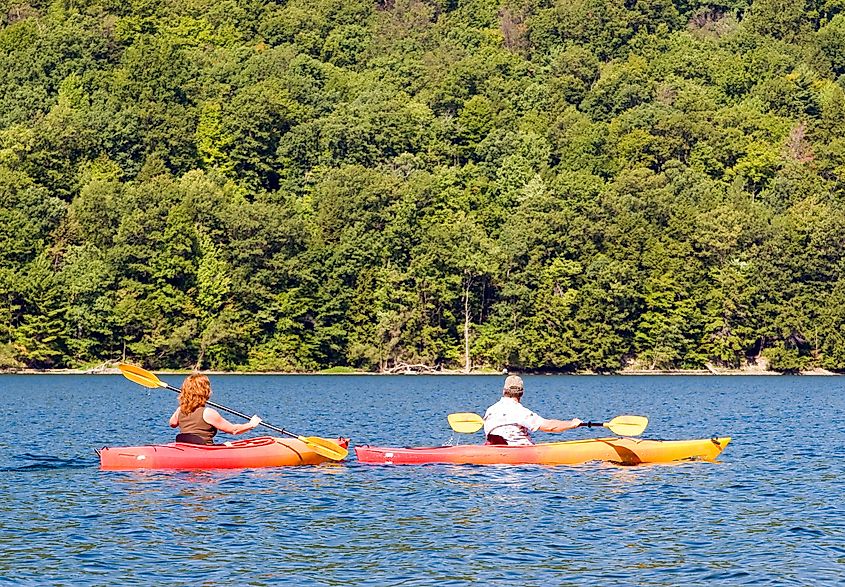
[32, 462]
[770, 513]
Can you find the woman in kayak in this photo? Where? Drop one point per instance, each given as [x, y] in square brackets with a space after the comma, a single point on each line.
[197, 422]
[509, 422]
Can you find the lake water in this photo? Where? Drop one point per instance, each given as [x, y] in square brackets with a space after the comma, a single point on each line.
[769, 513]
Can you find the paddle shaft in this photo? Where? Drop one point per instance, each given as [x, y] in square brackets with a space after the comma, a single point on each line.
[622, 425]
[237, 413]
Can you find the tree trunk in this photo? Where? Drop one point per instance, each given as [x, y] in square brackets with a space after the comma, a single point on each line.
[467, 361]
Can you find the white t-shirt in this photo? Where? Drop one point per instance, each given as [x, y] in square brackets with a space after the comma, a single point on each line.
[512, 421]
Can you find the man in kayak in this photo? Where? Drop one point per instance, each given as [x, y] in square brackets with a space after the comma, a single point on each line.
[509, 422]
[198, 423]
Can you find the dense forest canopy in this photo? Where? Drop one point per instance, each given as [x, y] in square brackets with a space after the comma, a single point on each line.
[542, 184]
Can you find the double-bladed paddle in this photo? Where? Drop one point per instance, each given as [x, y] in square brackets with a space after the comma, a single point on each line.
[321, 446]
[467, 423]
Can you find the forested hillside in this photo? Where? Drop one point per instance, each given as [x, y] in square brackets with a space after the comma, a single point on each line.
[542, 184]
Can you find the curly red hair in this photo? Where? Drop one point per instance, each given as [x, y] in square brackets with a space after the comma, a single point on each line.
[196, 389]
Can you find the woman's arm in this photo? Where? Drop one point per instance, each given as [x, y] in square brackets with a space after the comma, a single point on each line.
[174, 419]
[213, 417]
[559, 425]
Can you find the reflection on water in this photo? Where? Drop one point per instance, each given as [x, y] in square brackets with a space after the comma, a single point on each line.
[769, 513]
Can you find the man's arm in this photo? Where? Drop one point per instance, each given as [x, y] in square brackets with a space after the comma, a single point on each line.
[559, 425]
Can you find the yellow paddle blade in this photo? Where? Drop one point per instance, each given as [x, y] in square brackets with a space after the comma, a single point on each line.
[325, 447]
[465, 422]
[627, 425]
[140, 376]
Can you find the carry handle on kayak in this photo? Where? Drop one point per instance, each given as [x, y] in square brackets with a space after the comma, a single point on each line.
[467, 423]
[322, 446]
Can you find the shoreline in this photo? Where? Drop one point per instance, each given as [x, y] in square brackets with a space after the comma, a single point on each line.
[625, 372]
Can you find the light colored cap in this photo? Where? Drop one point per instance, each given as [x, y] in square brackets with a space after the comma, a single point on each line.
[514, 382]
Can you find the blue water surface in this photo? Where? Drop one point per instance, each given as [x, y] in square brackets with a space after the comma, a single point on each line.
[769, 513]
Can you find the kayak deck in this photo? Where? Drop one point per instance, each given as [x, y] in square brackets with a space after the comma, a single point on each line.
[261, 451]
[625, 451]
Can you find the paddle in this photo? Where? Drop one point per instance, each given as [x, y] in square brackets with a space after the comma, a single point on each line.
[322, 446]
[622, 425]
[467, 423]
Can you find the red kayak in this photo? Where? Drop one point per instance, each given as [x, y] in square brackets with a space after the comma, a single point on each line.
[261, 451]
[626, 451]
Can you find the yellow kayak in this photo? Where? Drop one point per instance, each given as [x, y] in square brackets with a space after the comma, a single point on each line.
[625, 451]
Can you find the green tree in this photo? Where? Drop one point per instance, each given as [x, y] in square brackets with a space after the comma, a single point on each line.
[41, 334]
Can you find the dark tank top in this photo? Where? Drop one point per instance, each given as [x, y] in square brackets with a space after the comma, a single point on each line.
[194, 424]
